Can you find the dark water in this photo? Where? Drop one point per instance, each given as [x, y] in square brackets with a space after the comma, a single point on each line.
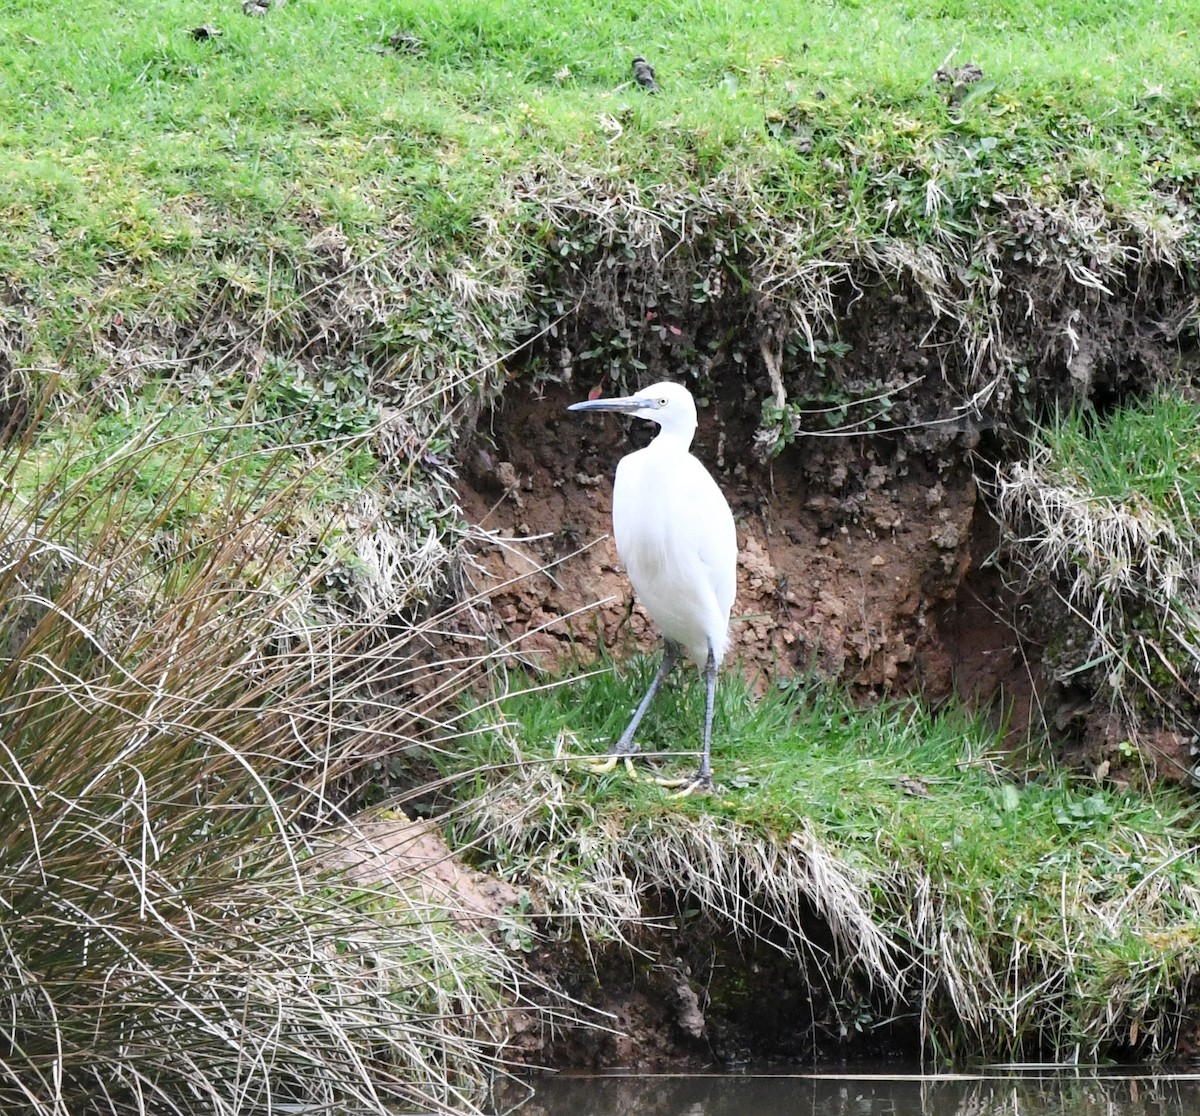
[987, 1093]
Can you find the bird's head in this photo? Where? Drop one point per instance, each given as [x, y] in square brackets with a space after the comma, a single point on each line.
[670, 405]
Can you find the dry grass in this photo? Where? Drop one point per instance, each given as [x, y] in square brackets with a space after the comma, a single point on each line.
[790, 271]
[605, 872]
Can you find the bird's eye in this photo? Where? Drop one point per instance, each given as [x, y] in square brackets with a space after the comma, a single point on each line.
[662, 400]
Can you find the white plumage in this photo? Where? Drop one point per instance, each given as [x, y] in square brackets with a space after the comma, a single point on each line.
[676, 537]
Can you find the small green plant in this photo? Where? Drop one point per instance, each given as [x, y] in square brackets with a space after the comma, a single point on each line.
[516, 928]
[1092, 812]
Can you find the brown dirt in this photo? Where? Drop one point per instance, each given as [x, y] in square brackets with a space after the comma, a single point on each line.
[413, 855]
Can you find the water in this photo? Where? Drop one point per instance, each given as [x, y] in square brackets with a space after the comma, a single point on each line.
[1000, 1092]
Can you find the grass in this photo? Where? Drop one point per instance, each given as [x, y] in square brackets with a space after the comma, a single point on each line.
[181, 180]
[363, 238]
[1144, 452]
[1106, 504]
[1012, 916]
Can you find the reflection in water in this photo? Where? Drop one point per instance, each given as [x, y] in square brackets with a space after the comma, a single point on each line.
[1061, 1093]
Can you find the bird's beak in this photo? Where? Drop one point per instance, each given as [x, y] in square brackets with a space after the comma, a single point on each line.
[629, 405]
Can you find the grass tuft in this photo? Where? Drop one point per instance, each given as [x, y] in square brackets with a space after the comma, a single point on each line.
[182, 719]
[1107, 506]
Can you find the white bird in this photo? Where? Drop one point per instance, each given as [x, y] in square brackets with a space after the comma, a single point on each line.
[676, 536]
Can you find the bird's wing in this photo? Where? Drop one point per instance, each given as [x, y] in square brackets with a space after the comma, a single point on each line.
[703, 525]
[676, 536]
[716, 542]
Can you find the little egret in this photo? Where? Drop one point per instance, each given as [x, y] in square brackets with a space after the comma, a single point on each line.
[675, 534]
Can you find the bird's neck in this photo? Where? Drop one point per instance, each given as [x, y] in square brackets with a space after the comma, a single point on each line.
[675, 438]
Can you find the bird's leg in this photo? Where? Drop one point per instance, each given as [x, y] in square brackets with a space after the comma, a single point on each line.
[625, 747]
[704, 775]
[702, 781]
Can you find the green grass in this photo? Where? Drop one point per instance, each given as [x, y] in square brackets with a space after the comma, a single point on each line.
[803, 751]
[151, 447]
[1070, 906]
[159, 481]
[297, 201]
[159, 165]
[1145, 456]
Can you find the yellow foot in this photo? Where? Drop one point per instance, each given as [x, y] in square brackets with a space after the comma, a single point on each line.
[604, 766]
[610, 764]
[693, 784]
[607, 765]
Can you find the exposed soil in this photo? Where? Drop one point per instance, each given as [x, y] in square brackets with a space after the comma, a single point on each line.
[414, 855]
[694, 1001]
